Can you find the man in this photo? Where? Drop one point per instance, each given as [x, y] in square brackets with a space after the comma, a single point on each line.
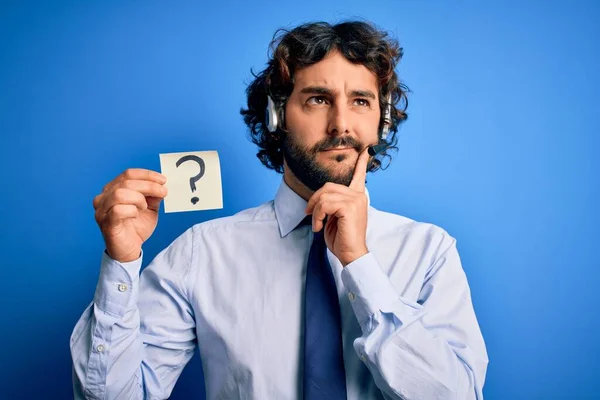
[365, 305]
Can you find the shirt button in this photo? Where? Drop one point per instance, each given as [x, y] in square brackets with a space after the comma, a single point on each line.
[363, 357]
[122, 287]
[100, 348]
[351, 296]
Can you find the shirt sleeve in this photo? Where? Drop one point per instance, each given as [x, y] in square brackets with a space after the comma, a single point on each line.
[431, 349]
[138, 333]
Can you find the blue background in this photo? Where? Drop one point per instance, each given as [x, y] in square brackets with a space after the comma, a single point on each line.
[499, 149]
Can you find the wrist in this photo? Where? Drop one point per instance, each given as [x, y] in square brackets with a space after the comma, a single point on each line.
[124, 258]
[354, 256]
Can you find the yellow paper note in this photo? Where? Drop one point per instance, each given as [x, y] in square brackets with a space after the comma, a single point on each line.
[193, 181]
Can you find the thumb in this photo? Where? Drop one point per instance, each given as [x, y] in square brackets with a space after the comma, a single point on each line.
[153, 203]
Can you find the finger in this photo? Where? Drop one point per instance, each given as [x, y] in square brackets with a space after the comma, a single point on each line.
[138, 174]
[318, 216]
[147, 188]
[97, 201]
[328, 197]
[153, 203]
[329, 187]
[317, 211]
[360, 171]
[124, 196]
[313, 200]
[323, 210]
[330, 226]
[121, 212]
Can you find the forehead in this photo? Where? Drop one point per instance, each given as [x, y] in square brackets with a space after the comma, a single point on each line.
[337, 73]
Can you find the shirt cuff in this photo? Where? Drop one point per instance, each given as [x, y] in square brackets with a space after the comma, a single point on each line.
[370, 291]
[117, 288]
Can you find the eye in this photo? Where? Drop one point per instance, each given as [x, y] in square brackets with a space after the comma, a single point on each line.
[362, 102]
[317, 100]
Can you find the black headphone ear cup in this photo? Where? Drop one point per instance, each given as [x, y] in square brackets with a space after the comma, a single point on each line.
[387, 118]
[271, 117]
[281, 117]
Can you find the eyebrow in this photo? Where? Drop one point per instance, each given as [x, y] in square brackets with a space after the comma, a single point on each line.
[325, 91]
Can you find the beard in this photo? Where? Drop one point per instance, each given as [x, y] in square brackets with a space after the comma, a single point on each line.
[303, 163]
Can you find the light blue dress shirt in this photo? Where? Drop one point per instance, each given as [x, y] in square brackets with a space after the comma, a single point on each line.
[234, 287]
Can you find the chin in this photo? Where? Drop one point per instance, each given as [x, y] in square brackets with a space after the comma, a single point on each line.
[339, 172]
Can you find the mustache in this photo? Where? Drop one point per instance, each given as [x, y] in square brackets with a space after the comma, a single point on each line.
[338, 141]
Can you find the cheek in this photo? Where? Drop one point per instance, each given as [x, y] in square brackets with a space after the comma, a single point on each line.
[368, 130]
[307, 128]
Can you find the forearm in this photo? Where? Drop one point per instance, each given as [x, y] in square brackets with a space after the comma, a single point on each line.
[144, 323]
[106, 344]
[417, 351]
[106, 355]
[410, 363]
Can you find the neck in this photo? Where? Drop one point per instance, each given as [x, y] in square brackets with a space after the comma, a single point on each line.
[294, 183]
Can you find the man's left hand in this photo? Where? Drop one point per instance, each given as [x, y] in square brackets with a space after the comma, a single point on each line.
[346, 208]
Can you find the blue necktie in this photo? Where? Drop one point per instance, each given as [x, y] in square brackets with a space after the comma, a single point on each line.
[324, 374]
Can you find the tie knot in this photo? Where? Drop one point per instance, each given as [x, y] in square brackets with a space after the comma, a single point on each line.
[318, 236]
[306, 221]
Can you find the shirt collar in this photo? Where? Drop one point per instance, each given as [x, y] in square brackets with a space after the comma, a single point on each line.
[289, 208]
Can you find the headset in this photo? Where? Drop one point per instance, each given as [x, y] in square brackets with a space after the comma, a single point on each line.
[272, 117]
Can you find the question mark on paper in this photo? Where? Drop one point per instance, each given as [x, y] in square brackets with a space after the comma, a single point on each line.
[196, 178]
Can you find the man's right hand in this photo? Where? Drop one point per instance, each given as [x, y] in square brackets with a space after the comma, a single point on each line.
[127, 211]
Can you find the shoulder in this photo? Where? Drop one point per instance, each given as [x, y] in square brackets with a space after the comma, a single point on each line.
[401, 241]
[401, 228]
[262, 213]
[221, 232]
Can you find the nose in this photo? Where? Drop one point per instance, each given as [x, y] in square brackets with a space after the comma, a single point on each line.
[338, 119]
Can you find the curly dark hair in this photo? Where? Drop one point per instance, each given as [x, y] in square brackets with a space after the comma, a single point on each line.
[307, 44]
